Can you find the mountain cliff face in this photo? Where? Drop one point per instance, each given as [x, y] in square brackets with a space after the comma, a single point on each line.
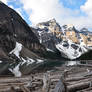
[19, 46]
[71, 42]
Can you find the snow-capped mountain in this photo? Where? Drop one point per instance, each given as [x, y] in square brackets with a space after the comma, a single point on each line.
[72, 43]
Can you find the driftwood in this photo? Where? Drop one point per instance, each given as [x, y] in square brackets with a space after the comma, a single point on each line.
[88, 74]
[70, 79]
[24, 89]
[60, 87]
[86, 90]
[12, 89]
[46, 83]
[75, 79]
[79, 86]
[85, 65]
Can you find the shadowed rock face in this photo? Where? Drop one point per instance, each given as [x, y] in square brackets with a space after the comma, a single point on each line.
[13, 28]
[16, 35]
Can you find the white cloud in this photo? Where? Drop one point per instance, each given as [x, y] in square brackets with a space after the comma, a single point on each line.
[43, 10]
[87, 8]
[18, 10]
[4, 1]
[11, 6]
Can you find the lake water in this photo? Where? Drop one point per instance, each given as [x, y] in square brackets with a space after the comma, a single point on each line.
[56, 63]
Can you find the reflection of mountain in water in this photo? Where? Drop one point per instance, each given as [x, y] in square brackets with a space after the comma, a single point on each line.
[52, 64]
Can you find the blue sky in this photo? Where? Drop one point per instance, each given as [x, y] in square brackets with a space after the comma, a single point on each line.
[18, 5]
[77, 12]
[73, 4]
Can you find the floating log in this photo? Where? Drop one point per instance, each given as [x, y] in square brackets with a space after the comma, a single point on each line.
[46, 83]
[85, 65]
[12, 89]
[24, 89]
[60, 87]
[88, 74]
[86, 90]
[78, 86]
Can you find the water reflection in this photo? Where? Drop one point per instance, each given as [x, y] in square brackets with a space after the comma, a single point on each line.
[57, 63]
[71, 63]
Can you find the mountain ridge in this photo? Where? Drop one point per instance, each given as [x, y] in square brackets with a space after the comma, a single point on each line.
[19, 46]
[72, 43]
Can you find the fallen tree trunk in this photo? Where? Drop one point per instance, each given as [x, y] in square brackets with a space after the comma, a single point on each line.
[75, 79]
[78, 86]
[24, 89]
[61, 86]
[46, 83]
[86, 65]
[86, 90]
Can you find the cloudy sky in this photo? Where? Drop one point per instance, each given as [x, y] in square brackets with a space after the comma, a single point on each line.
[76, 12]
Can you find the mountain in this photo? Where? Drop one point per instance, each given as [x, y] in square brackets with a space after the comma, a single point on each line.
[72, 43]
[20, 49]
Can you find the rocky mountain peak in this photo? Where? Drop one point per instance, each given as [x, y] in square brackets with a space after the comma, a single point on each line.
[84, 29]
[51, 25]
[69, 27]
[71, 42]
[53, 20]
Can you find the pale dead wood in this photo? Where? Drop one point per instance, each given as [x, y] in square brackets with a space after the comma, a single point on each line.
[12, 89]
[79, 86]
[46, 83]
[60, 87]
[85, 65]
[24, 89]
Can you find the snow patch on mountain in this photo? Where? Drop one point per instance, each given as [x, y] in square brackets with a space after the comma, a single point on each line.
[17, 49]
[70, 51]
[1, 61]
[39, 61]
[28, 61]
[16, 71]
[49, 50]
[71, 63]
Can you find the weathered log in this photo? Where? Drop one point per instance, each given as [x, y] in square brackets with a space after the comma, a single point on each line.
[24, 89]
[86, 90]
[76, 79]
[14, 79]
[86, 65]
[46, 83]
[88, 74]
[78, 86]
[12, 89]
[61, 86]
